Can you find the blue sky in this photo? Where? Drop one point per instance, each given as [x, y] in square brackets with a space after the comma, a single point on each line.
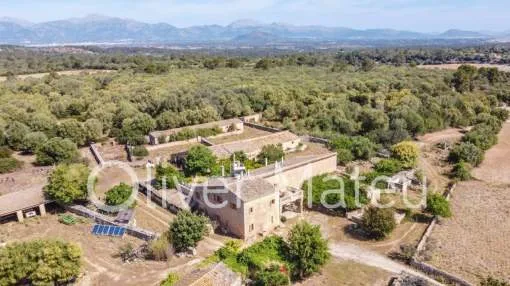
[418, 15]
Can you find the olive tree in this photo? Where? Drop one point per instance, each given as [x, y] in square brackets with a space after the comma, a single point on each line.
[307, 249]
[187, 230]
[67, 183]
[57, 150]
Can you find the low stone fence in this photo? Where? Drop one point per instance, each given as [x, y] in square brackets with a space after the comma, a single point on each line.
[206, 142]
[262, 127]
[96, 154]
[102, 219]
[427, 268]
[317, 140]
[435, 272]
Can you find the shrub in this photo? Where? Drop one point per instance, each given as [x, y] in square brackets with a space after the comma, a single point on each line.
[39, 262]
[168, 174]
[170, 280]
[378, 222]
[67, 183]
[362, 148]
[15, 133]
[491, 281]
[33, 141]
[187, 230]
[343, 156]
[482, 136]
[307, 249]
[407, 152]
[467, 152]
[461, 171]
[438, 205]
[160, 249]
[230, 249]
[272, 153]
[140, 151]
[57, 150]
[389, 166]
[321, 184]
[199, 161]
[5, 152]
[125, 251]
[68, 219]
[272, 276]
[118, 194]
[8, 165]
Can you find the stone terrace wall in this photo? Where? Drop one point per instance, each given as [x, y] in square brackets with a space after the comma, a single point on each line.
[427, 268]
[262, 127]
[96, 154]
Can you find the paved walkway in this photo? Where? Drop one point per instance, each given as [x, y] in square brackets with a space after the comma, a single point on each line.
[346, 251]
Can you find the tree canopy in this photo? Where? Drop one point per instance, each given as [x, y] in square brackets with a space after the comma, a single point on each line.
[379, 222]
[57, 150]
[187, 230]
[39, 262]
[199, 161]
[68, 183]
[307, 249]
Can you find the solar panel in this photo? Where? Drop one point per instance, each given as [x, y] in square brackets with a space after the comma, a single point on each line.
[109, 230]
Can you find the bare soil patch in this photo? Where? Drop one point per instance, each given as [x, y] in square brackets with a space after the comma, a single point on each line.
[71, 72]
[339, 272]
[28, 177]
[101, 267]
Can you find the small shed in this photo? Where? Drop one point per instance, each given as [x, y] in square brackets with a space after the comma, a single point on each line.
[124, 216]
[402, 180]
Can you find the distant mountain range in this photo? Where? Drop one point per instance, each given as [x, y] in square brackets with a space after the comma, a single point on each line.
[96, 29]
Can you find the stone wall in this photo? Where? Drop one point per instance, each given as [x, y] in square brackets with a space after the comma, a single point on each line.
[427, 268]
[96, 154]
[262, 127]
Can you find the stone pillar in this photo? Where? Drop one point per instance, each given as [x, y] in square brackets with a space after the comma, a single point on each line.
[42, 210]
[19, 214]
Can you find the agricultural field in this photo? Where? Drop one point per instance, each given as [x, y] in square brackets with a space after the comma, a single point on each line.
[473, 242]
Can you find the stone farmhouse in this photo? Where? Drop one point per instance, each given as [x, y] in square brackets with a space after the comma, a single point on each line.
[251, 205]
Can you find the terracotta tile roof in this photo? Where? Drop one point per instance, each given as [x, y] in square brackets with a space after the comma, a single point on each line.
[21, 200]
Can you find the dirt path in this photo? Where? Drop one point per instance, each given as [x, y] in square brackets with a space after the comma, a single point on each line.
[355, 253]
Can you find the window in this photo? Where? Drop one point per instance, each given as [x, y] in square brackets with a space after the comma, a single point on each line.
[252, 227]
[272, 202]
[233, 205]
[251, 210]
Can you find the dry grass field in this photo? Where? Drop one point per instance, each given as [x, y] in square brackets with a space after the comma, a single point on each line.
[348, 273]
[495, 169]
[71, 72]
[474, 242]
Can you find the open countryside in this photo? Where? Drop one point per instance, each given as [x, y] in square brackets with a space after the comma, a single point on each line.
[249, 153]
